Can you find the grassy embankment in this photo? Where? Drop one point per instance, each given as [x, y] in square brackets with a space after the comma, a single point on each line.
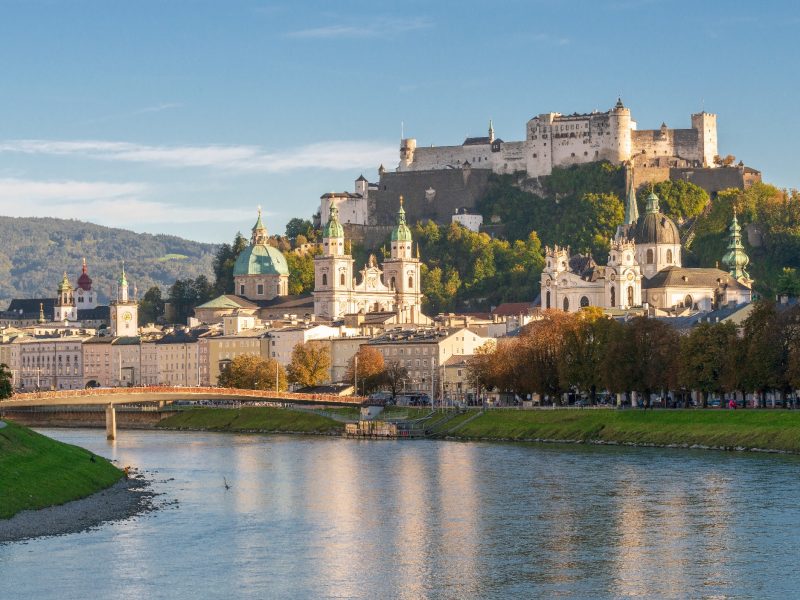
[36, 471]
[261, 419]
[765, 429]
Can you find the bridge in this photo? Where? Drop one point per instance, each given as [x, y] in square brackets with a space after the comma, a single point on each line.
[162, 395]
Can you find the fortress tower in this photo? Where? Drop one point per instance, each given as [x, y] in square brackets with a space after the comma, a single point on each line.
[706, 126]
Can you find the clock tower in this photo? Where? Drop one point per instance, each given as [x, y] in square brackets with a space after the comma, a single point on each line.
[124, 312]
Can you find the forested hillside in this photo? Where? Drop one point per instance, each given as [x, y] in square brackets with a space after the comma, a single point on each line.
[35, 252]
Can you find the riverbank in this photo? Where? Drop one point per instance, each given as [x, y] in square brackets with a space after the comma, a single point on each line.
[251, 420]
[38, 472]
[767, 430]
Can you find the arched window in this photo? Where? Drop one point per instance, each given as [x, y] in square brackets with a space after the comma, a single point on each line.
[547, 301]
[341, 278]
[669, 257]
[613, 297]
[566, 304]
[584, 301]
[649, 256]
[324, 279]
[392, 284]
[630, 295]
[688, 302]
[278, 289]
[410, 282]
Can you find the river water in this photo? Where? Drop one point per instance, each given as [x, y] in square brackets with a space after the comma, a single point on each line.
[317, 517]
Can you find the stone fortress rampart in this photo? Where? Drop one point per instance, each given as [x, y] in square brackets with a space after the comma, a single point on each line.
[556, 140]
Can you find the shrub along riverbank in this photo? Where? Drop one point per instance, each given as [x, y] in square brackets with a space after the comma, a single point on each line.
[747, 429]
[36, 471]
[253, 419]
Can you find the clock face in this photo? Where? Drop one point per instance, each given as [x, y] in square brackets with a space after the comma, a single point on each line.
[127, 315]
[630, 276]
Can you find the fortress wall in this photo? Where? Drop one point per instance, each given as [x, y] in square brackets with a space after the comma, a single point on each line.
[453, 188]
[511, 158]
[442, 157]
[683, 143]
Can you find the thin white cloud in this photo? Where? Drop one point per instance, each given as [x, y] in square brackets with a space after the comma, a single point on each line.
[106, 203]
[365, 28]
[156, 108]
[323, 155]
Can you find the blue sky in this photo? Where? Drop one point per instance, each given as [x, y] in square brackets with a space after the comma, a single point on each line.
[182, 117]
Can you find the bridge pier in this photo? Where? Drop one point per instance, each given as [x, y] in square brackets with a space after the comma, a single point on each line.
[111, 422]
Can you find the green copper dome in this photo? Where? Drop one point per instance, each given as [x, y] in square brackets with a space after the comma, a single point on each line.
[735, 258]
[261, 259]
[333, 229]
[401, 233]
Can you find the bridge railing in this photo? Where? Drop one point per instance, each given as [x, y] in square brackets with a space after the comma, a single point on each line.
[194, 391]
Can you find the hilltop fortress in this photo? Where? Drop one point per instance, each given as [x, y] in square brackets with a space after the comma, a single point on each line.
[556, 140]
[445, 183]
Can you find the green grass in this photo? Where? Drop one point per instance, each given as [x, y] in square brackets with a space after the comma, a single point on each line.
[173, 256]
[251, 419]
[36, 471]
[767, 429]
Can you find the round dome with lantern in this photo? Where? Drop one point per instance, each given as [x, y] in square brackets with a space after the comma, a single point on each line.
[261, 271]
[84, 281]
[658, 241]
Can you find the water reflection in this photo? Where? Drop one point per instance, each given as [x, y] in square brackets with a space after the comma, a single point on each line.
[317, 517]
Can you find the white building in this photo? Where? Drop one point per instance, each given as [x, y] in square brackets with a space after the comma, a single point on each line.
[352, 206]
[469, 220]
[281, 342]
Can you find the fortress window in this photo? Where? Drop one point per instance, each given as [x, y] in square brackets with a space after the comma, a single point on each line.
[585, 153]
[324, 279]
[572, 154]
[534, 155]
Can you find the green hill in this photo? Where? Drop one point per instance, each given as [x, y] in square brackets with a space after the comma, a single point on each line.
[36, 251]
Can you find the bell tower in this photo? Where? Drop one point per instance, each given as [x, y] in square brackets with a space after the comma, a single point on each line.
[65, 302]
[333, 270]
[124, 312]
[401, 272]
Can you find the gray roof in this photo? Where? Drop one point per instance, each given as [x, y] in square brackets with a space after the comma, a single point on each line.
[656, 228]
[684, 277]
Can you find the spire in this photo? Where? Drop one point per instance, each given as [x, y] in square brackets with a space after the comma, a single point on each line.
[122, 288]
[401, 233]
[260, 234]
[631, 208]
[83, 268]
[417, 250]
[735, 258]
[123, 280]
[491, 132]
[333, 228]
[652, 204]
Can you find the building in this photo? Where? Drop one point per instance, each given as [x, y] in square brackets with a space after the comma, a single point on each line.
[280, 342]
[112, 361]
[10, 353]
[423, 351]
[124, 311]
[556, 140]
[471, 221]
[178, 358]
[217, 351]
[644, 269]
[352, 207]
[260, 271]
[395, 288]
[51, 363]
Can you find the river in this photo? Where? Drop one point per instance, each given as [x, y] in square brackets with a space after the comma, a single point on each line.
[318, 517]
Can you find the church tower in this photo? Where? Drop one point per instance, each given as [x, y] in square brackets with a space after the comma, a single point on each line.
[65, 302]
[85, 297]
[333, 271]
[401, 272]
[735, 258]
[124, 311]
[623, 281]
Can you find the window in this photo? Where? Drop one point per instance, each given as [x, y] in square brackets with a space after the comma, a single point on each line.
[649, 256]
[669, 256]
[392, 284]
[547, 300]
[584, 301]
[688, 302]
[260, 289]
[241, 290]
[613, 297]
[566, 304]
[324, 279]
[630, 295]
[341, 278]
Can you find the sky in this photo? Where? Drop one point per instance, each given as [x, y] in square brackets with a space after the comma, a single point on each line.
[182, 117]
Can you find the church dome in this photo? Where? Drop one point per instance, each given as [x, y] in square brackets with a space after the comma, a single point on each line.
[261, 259]
[333, 229]
[84, 281]
[401, 233]
[654, 227]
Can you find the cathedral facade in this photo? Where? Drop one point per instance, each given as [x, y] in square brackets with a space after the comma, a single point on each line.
[644, 268]
[393, 288]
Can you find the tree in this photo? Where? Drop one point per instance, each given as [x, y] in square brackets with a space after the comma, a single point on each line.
[224, 261]
[679, 199]
[585, 348]
[296, 227]
[251, 372]
[654, 345]
[310, 364]
[705, 359]
[393, 376]
[789, 283]
[301, 272]
[6, 387]
[151, 306]
[186, 294]
[370, 367]
[764, 366]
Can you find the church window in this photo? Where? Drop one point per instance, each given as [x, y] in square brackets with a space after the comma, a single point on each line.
[669, 256]
[630, 295]
[547, 304]
[324, 279]
[392, 284]
[278, 289]
[410, 282]
[260, 289]
[241, 290]
[688, 302]
[649, 256]
[584, 302]
[341, 278]
[566, 304]
[613, 296]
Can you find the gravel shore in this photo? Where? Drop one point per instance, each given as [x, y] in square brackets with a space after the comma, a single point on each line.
[123, 500]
